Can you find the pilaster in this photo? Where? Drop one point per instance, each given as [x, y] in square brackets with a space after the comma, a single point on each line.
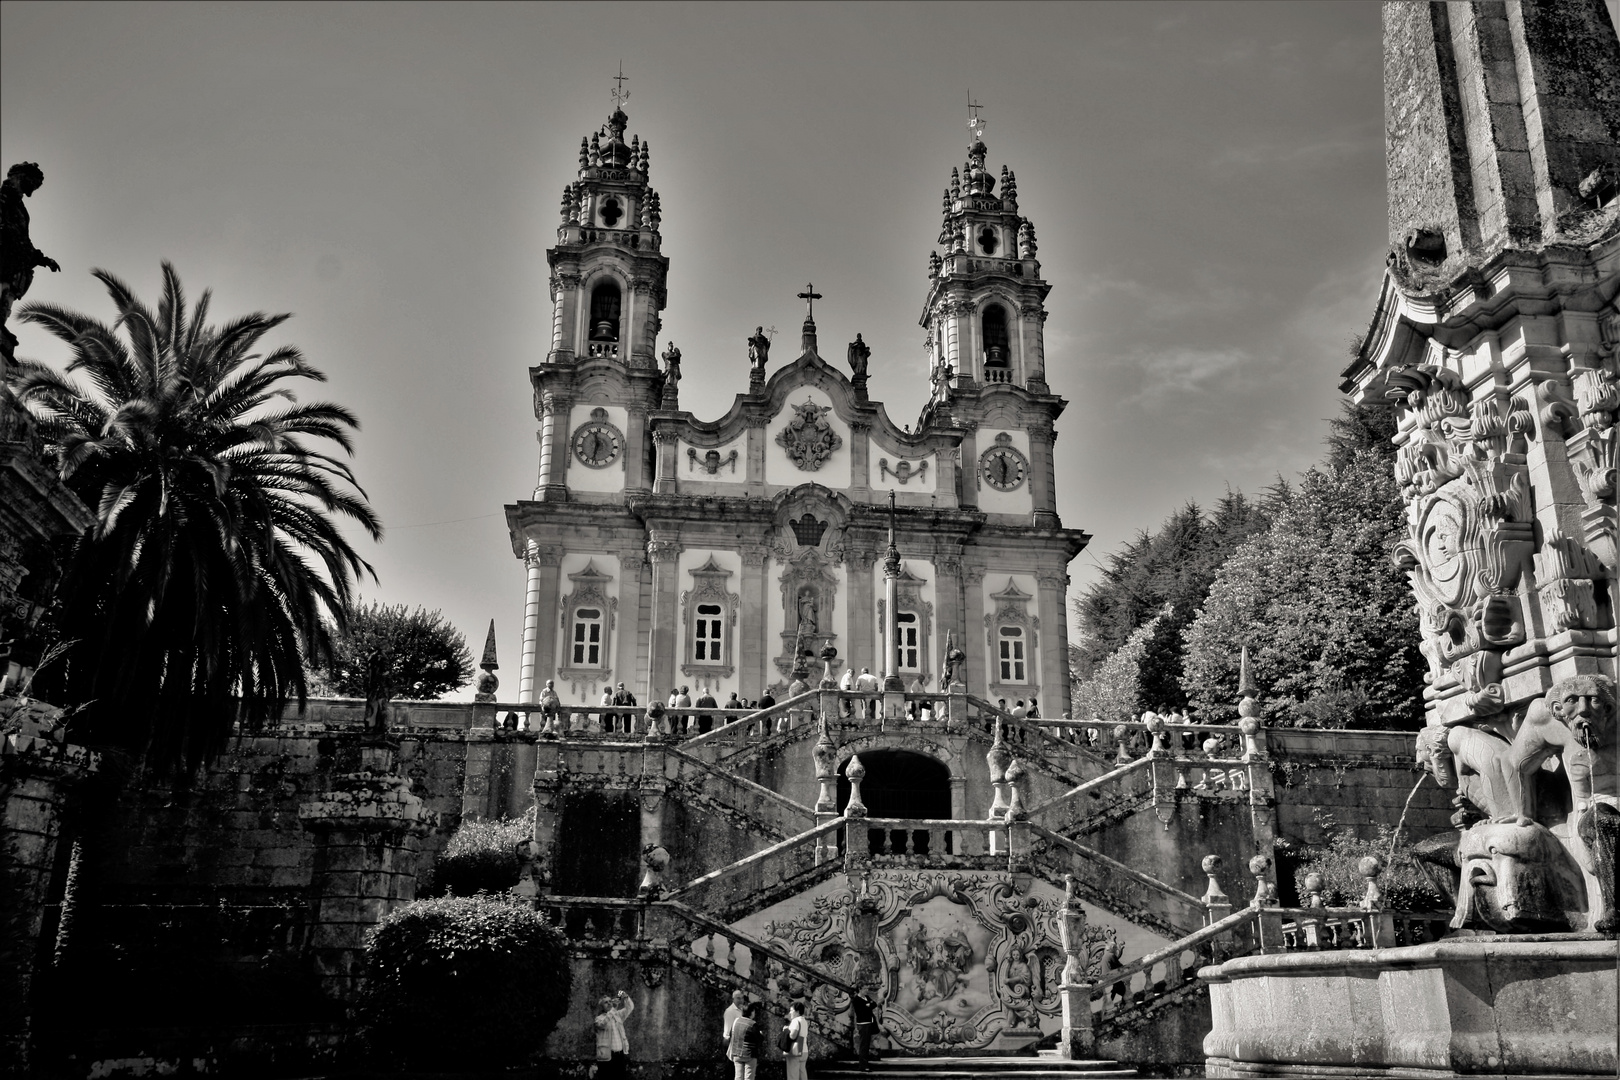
[860, 462]
[973, 644]
[863, 648]
[631, 561]
[663, 550]
[1052, 589]
[752, 626]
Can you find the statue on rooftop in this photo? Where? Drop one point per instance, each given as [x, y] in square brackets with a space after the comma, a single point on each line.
[759, 349]
[18, 255]
[859, 354]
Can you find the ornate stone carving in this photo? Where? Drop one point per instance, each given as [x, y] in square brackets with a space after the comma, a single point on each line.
[711, 462]
[904, 471]
[662, 551]
[808, 439]
[542, 556]
[809, 594]
[1470, 531]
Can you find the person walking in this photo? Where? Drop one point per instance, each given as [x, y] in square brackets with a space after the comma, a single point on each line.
[745, 1036]
[612, 1044]
[798, 1054]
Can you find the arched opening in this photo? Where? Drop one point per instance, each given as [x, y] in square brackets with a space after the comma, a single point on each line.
[605, 312]
[900, 784]
[997, 351]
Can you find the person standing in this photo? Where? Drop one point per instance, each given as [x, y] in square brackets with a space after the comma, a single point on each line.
[612, 1044]
[626, 700]
[867, 683]
[865, 1012]
[607, 715]
[734, 1010]
[705, 701]
[744, 1037]
[548, 709]
[846, 684]
[798, 1054]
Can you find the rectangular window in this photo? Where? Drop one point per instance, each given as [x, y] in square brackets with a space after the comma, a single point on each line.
[1012, 654]
[708, 636]
[910, 654]
[587, 643]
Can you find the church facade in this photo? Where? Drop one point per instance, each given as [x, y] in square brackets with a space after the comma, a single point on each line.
[663, 550]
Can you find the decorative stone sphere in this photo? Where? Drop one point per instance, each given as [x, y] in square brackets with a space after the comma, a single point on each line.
[1153, 722]
[1248, 707]
[1248, 724]
[1121, 731]
[829, 652]
[1370, 866]
[1015, 772]
[855, 771]
[1259, 864]
[488, 683]
[1313, 883]
[1211, 863]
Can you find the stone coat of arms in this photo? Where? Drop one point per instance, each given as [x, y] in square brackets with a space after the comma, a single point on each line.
[808, 439]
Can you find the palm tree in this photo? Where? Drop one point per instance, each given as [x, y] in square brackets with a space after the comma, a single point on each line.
[216, 568]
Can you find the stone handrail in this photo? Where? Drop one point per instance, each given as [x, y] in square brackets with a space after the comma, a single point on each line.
[731, 727]
[792, 812]
[701, 887]
[969, 838]
[755, 946]
[1119, 979]
[1118, 867]
[1036, 746]
[1091, 787]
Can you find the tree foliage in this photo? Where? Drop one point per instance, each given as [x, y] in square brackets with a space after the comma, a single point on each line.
[482, 856]
[1160, 578]
[463, 983]
[1327, 616]
[1113, 691]
[389, 651]
[215, 569]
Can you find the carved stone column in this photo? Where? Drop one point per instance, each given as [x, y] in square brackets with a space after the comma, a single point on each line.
[1077, 1039]
[534, 572]
[973, 641]
[664, 443]
[555, 412]
[863, 649]
[1042, 477]
[825, 757]
[565, 318]
[367, 830]
[663, 552]
[752, 626]
[38, 771]
[1052, 594]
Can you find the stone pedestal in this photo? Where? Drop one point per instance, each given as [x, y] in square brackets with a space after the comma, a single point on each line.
[38, 772]
[1514, 1004]
[367, 830]
[1077, 1039]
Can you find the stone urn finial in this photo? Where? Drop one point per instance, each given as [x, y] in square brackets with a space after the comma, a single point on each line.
[1258, 867]
[1370, 866]
[1213, 893]
[855, 772]
[998, 757]
[1015, 797]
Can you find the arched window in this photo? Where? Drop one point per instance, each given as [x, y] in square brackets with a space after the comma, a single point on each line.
[1010, 654]
[900, 784]
[604, 316]
[996, 348]
[910, 641]
[709, 634]
[586, 644]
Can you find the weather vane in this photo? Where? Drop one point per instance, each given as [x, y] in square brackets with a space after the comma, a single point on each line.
[975, 121]
[619, 94]
[809, 296]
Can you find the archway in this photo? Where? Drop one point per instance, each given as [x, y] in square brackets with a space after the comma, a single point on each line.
[900, 784]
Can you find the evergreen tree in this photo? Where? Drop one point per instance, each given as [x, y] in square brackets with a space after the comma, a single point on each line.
[388, 651]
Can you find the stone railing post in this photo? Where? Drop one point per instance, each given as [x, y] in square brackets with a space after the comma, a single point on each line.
[1380, 924]
[1216, 902]
[1019, 839]
[857, 851]
[998, 758]
[39, 770]
[1267, 928]
[1077, 1040]
[367, 829]
[956, 707]
[825, 756]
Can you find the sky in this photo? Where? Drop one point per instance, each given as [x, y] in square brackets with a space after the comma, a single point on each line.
[1206, 183]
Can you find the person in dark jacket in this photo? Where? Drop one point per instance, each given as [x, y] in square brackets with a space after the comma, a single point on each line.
[865, 1012]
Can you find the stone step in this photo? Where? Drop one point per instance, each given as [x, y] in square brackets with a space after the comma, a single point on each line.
[1046, 1066]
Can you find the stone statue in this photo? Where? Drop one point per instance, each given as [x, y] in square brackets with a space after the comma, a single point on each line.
[759, 349]
[654, 862]
[672, 366]
[807, 612]
[1517, 878]
[1576, 720]
[954, 659]
[859, 353]
[1474, 763]
[18, 255]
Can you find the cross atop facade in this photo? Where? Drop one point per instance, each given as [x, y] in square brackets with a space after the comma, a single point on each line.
[619, 94]
[975, 121]
[809, 296]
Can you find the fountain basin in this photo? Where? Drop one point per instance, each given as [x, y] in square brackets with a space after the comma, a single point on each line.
[1467, 1006]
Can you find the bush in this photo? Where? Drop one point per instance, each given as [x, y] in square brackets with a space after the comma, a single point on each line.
[1406, 887]
[463, 983]
[481, 857]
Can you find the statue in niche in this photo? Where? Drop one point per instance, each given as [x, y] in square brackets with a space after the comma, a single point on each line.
[859, 354]
[672, 372]
[18, 255]
[809, 604]
[759, 349]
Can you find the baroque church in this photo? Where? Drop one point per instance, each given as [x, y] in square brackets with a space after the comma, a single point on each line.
[664, 550]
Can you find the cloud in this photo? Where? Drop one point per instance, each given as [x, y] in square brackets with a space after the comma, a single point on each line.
[1334, 148]
[1187, 370]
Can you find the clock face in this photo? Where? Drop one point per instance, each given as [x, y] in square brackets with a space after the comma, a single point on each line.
[597, 444]
[1003, 467]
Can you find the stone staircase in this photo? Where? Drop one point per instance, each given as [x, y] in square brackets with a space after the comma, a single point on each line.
[1043, 1066]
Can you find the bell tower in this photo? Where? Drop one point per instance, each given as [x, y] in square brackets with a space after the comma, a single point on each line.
[986, 301]
[607, 274]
